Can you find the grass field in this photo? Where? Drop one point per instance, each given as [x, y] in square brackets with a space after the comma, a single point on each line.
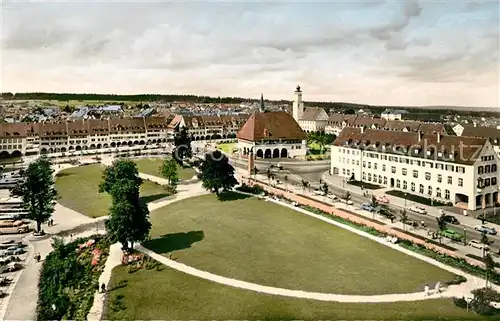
[151, 166]
[261, 242]
[227, 147]
[173, 295]
[78, 189]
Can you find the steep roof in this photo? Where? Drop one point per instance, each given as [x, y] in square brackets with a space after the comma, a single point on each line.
[368, 121]
[411, 126]
[311, 113]
[492, 133]
[271, 126]
[454, 149]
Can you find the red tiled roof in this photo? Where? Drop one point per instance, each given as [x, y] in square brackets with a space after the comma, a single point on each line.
[271, 126]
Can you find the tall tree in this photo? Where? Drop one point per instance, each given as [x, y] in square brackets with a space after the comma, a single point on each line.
[489, 265]
[129, 215]
[442, 224]
[404, 218]
[217, 173]
[169, 170]
[485, 241]
[37, 191]
[120, 169]
[182, 143]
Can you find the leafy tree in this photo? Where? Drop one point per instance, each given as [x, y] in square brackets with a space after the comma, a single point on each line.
[37, 191]
[489, 264]
[442, 224]
[120, 169]
[169, 170]
[404, 218]
[182, 143]
[217, 173]
[325, 188]
[305, 184]
[485, 241]
[481, 300]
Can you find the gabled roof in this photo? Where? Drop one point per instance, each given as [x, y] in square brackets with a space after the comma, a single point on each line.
[492, 133]
[399, 125]
[368, 121]
[271, 126]
[312, 113]
[453, 149]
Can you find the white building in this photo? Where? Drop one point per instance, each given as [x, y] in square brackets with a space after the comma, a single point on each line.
[310, 119]
[396, 114]
[272, 135]
[462, 171]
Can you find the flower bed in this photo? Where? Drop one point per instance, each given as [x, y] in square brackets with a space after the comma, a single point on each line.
[70, 277]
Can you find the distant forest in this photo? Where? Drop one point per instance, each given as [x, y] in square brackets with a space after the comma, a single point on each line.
[349, 108]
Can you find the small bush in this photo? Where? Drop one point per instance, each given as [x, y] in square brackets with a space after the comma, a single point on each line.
[458, 279]
[460, 302]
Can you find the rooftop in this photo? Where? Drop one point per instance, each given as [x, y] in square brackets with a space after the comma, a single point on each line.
[271, 126]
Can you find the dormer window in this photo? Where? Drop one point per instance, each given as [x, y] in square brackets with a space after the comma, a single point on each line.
[440, 154]
[383, 147]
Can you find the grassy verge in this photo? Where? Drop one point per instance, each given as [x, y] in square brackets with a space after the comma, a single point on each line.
[151, 166]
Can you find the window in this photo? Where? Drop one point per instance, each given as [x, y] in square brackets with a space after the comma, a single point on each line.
[343, 171]
[374, 165]
[440, 178]
[421, 189]
[369, 177]
[447, 194]
[429, 190]
[460, 182]
[487, 182]
[413, 187]
[385, 180]
[439, 166]
[427, 176]
[405, 185]
[493, 168]
[450, 180]
[380, 179]
[493, 181]
[487, 168]
[383, 167]
[364, 164]
[393, 169]
[480, 170]
[404, 171]
[357, 163]
[375, 178]
[415, 174]
[369, 164]
[398, 183]
[438, 192]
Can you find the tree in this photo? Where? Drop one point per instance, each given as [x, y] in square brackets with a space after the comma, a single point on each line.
[254, 172]
[37, 191]
[404, 218]
[325, 188]
[481, 301]
[305, 184]
[217, 173]
[374, 202]
[485, 241]
[442, 224]
[129, 215]
[270, 176]
[120, 169]
[169, 170]
[182, 143]
[489, 265]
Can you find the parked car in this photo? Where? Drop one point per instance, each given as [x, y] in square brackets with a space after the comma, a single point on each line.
[14, 266]
[332, 197]
[383, 199]
[451, 219]
[478, 245]
[345, 201]
[319, 192]
[19, 251]
[485, 229]
[368, 207]
[418, 209]
[451, 234]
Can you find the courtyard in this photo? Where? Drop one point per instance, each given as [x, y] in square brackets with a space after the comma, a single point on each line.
[151, 166]
[228, 148]
[253, 240]
[78, 189]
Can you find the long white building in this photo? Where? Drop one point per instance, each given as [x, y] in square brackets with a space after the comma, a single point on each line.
[461, 171]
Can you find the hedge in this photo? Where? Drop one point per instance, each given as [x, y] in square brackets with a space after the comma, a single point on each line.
[459, 263]
[69, 278]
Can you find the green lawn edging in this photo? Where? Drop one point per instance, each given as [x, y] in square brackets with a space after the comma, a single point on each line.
[69, 278]
[458, 263]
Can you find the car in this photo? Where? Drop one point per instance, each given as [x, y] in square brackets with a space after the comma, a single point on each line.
[318, 192]
[346, 201]
[19, 251]
[418, 209]
[485, 229]
[451, 234]
[12, 248]
[367, 207]
[451, 219]
[8, 242]
[383, 199]
[332, 197]
[478, 245]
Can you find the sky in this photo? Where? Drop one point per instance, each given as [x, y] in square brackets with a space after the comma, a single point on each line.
[411, 53]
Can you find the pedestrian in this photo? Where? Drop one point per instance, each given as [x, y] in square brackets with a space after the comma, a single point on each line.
[103, 288]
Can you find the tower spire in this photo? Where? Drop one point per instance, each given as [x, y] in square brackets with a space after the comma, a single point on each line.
[262, 107]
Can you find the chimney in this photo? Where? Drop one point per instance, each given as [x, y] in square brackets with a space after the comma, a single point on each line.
[420, 135]
[438, 137]
[250, 162]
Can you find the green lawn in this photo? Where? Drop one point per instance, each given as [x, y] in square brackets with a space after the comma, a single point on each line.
[172, 295]
[151, 166]
[261, 242]
[78, 189]
[227, 148]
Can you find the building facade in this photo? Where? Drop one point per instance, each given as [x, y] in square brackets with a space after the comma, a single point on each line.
[272, 135]
[490, 133]
[208, 127]
[462, 171]
[310, 119]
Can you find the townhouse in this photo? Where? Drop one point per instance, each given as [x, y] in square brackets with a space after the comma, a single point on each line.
[490, 133]
[460, 171]
[205, 127]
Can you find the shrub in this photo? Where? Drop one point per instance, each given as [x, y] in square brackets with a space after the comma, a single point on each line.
[68, 280]
[458, 279]
[256, 189]
[460, 302]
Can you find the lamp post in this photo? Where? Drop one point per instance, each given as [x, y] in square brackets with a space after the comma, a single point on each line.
[468, 300]
[406, 194]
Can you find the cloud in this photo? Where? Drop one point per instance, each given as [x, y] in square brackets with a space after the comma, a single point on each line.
[370, 52]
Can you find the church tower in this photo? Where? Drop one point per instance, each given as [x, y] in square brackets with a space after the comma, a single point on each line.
[298, 105]
[262, 108]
